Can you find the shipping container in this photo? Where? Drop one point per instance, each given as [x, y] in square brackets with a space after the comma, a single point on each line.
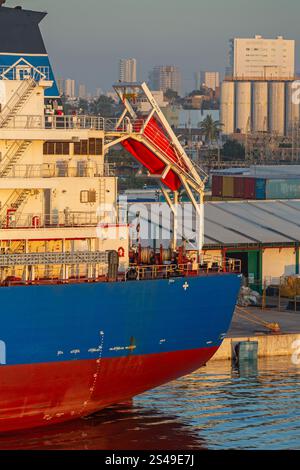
[250, 184]
[284, 188]
[260, 188]
[239, 187]
[217, 185]
[228, 186]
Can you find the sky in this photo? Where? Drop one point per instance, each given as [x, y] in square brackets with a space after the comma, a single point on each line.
[86, 38]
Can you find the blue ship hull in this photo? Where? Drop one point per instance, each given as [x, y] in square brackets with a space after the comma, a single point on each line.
[69, 350]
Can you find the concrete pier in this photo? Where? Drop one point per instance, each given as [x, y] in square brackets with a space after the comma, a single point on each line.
[269, 344]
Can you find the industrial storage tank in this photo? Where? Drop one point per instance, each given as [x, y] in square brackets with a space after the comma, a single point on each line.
[260, 107]
[277, 107]
[243, 107]
[227, 107]
[292, 106]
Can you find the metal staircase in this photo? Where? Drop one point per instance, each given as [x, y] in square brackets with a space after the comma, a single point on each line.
[14, 153]
[14, 202]
[17, 101]
[102, 191]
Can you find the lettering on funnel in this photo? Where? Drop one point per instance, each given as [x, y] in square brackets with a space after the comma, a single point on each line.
[2, 352]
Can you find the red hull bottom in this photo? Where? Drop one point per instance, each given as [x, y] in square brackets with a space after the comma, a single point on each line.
[42, 394]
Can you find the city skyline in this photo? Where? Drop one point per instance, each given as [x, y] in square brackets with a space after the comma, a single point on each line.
[91, 55]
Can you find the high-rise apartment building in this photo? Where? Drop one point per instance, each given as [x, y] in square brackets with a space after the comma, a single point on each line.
[165, 77]
[82, 92]
[70, 88]
[210, 80]
[127, 70]
[61, 85]
[261, 58]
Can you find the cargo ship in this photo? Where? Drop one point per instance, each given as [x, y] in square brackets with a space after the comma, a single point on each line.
[86, 320]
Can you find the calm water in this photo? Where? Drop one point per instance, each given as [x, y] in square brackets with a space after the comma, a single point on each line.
[215, 408]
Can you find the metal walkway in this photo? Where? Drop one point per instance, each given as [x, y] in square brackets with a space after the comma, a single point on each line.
[67, 258]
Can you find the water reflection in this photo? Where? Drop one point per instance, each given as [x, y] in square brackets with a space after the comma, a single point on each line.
[217, 407]
[121, 427]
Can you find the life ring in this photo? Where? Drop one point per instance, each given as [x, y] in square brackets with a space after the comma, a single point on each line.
[121, 252]
[36, 221]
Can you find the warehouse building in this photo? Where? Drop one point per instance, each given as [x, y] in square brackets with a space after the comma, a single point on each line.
[264, 235]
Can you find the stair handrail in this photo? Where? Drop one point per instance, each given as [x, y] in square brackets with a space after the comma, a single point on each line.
[10, 153]
[16, 97]
[11, 200]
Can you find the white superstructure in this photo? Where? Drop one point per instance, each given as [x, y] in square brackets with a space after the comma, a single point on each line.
[56, 192]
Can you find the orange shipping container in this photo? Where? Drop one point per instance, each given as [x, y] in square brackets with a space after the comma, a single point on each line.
[228, 186]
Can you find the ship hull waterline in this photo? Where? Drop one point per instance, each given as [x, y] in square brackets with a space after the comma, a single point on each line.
[67, 351]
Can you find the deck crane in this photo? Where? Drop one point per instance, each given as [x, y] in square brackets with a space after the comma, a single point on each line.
[152, 141]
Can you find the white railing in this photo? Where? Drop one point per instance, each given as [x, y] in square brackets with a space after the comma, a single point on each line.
[14, 73]
[52, 170]
[55, 122]
[69, 123]
[54, 220]
[212, 265]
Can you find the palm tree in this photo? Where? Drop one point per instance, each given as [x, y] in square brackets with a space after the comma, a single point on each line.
[210, 128]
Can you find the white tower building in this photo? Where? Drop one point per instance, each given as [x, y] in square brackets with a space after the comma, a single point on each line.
[127, 70]
[260, 58]
[70, 88]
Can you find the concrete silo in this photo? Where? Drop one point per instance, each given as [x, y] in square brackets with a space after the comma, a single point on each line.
[260, 107]
[277, 107]
[227, 107]
[243, 107]
[292, 104]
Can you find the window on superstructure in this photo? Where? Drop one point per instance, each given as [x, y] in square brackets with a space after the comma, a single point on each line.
[89, 147]
[92, 195]
[95, 146]
[49, 148]
[81, 148]
[88, 196]
[56, 148]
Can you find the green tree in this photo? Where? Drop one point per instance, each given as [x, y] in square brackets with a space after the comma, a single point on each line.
[211, 129]
[171, 95]
[83, 106]
[233, 150]
[104, 106]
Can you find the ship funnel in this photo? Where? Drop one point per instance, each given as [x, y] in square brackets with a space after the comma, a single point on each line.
[21, 40]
